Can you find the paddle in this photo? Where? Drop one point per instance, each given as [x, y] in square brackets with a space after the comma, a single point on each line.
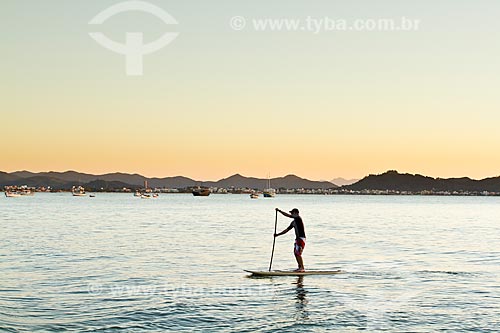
[274, 239]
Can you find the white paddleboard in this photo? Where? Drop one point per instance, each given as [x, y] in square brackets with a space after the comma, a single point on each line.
[292, 273]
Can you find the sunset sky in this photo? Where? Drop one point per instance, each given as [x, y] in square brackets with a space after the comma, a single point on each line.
[217, 101]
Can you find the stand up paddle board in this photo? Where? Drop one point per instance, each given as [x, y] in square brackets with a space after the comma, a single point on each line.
[292, 273]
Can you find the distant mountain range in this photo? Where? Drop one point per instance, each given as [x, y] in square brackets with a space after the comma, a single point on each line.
[393, 180]
[287, 182]
[65, 180]
[390, 180]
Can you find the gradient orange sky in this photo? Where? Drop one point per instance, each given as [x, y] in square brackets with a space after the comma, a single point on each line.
[217, 101]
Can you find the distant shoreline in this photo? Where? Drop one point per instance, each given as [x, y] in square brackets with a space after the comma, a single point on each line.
[335, 193]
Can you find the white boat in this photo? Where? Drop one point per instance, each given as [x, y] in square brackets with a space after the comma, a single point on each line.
[137, 194]
[18, 191]
[12, 194]
[254, 196]
[25, 190]
[145, 196]
[78, 191]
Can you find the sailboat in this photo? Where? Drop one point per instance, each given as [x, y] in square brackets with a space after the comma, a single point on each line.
[269, 192]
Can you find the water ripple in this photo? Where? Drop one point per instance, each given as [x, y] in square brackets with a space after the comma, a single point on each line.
[175, 264]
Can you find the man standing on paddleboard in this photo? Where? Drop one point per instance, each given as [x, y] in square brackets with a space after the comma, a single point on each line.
[300, 235]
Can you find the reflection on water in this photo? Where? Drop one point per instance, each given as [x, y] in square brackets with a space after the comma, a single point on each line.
[301, 300]
[118, 263]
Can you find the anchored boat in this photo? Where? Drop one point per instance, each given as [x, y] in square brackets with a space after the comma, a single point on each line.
[269, 192]
[18, 191]
[78, 191]
[201, 192]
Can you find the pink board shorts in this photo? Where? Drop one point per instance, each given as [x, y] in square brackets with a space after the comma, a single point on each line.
[298, 247]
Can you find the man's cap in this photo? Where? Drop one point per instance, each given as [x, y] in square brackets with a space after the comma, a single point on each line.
[295, 210]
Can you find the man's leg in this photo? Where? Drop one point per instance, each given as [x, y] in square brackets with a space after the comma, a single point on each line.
[300, 262]
[297, 251]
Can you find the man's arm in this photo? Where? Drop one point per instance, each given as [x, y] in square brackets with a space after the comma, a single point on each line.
[284, 213]
[284, 231]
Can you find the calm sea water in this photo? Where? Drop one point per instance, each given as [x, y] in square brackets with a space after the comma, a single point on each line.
[119, 263]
